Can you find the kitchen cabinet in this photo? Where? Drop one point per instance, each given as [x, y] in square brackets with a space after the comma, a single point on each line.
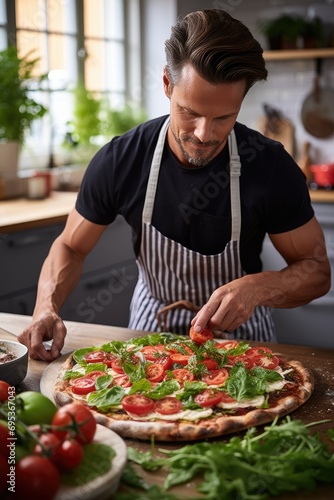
[313, 323]
[104, 292]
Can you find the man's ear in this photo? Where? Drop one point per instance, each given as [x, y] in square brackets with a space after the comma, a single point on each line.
[167, 83]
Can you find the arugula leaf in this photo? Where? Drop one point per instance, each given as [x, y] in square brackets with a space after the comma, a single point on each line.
[155, 338]
[106, 398]
[284, 457]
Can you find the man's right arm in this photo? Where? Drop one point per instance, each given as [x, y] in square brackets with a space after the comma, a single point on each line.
[60, 273]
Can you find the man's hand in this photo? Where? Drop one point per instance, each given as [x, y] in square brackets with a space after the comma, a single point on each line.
[45, 327]
[228, 307]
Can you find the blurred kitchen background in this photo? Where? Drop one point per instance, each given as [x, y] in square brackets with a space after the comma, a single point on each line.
[97, 72]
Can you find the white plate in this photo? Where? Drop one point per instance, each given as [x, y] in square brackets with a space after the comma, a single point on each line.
[102, 486]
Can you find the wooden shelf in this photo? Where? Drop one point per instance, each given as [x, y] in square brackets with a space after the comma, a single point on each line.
[281, 55]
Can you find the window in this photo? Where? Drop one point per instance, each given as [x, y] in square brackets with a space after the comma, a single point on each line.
[74, 40]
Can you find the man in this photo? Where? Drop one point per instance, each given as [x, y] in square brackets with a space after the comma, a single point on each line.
[200, 192]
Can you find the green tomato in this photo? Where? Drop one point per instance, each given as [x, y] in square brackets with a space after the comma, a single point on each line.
[36, 408]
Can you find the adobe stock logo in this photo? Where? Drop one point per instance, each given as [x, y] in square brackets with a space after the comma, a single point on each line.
[118, 282]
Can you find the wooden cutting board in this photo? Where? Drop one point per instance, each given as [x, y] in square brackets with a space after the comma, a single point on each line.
[284, 132]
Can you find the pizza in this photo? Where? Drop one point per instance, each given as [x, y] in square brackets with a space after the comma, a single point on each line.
[180, 388]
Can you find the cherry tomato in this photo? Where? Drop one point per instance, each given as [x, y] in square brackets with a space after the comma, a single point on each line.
[179, 359]
[183, 375]
[256, 351]
[208, 397]
[83, 385]
[95, 357]
[246, 360]
[210, 363]
[216, 377]
[122, 380]
[138, 404]
[4, 391]
[95, 374]
[36, 477]
[200, 337]
[165, 361]
[36, 408]
[4, 436]
[48, 445]
[152, 352]
[155, 372]
[69, 455]
[226, 398]
[109, 358]
[116, 365]
[268, 361]
[227, 344]
[82, 416]
[167, 405]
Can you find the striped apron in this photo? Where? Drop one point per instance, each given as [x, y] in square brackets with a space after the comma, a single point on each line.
[169, 272]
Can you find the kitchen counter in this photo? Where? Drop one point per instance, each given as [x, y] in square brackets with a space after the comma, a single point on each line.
[21, 214]
[319, 407]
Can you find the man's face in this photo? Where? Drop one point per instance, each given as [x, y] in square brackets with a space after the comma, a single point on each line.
[202, 116]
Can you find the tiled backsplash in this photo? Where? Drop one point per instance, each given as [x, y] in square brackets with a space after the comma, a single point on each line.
[289, 83]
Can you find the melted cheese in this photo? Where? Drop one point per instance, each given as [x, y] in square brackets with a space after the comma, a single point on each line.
[243, 403]
[192, 415]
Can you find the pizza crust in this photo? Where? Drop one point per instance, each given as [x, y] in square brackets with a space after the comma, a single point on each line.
[212, 427]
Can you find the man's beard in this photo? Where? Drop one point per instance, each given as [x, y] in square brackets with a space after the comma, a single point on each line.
[201, 159]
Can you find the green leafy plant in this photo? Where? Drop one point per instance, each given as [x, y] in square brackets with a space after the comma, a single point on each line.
[17, 108]
[283, 31]
[86, 122]
[121, 120]
[284, 457]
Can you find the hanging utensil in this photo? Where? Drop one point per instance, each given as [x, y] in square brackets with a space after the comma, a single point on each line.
[317, 112]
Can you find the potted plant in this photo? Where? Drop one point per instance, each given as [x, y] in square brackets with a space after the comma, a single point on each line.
[283, 32]
[17, 108]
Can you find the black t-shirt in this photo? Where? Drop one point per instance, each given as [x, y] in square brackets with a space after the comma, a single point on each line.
[192, 205]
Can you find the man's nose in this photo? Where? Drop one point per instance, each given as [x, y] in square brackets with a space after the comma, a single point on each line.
[203, 130]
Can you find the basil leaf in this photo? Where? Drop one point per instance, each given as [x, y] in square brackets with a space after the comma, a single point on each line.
[163, 389]
[142, 385]
[247, 384]
[106, 398]
[92, 367]
[69, 374]
[188, 394]
[103, 381]
[79, 354]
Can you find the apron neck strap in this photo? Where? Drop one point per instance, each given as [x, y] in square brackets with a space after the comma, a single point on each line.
[154, 174]
[235, 171]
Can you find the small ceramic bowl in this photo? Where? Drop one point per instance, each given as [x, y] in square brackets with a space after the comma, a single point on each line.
[14, 371]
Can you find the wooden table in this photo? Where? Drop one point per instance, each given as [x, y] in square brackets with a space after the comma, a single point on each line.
[319, 407]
